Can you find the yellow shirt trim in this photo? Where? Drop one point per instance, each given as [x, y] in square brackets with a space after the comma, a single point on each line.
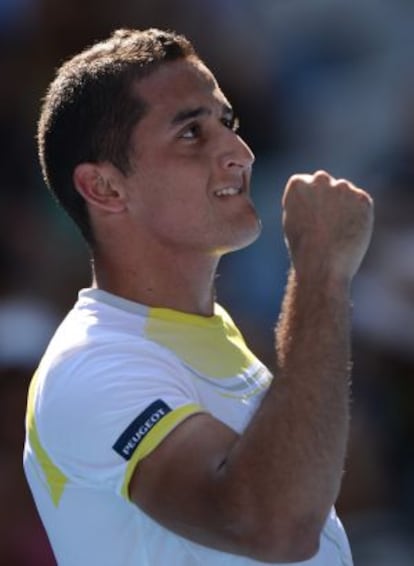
[212, 346]
[154, 437]
[56, 480]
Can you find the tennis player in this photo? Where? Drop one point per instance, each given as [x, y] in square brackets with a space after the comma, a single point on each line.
[155, 437]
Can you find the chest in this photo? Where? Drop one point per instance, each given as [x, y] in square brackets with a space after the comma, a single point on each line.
[233, 400]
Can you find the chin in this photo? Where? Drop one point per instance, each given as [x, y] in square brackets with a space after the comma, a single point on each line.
[244, 237]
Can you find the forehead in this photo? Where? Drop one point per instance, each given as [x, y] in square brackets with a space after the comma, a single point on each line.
[180, 84]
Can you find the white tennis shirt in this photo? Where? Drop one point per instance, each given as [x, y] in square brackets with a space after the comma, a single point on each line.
[116, 378]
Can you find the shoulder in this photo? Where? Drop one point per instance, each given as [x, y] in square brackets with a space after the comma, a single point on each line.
[82, 403]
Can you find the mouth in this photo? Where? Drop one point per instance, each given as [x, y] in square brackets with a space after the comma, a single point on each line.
[228, 192]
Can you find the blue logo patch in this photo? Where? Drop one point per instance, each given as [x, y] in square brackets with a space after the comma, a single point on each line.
[130, 439]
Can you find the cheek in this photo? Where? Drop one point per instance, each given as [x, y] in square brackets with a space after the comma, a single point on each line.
[178, 191]
[182, 212]
[174, 195]
[177, 211]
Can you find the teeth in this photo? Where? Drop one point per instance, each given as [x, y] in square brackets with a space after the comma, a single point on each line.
[228, 192]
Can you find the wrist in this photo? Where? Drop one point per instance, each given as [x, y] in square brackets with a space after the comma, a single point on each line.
[321, 279]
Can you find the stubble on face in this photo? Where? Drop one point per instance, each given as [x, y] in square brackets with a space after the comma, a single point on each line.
[181, 154]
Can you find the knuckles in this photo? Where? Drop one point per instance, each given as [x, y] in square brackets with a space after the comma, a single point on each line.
[322, 185]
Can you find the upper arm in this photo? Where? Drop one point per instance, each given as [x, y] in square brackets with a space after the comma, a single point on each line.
[195, 484]
[189, 471]
[180, 483]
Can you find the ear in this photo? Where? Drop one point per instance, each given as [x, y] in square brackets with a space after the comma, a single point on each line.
[99, 186]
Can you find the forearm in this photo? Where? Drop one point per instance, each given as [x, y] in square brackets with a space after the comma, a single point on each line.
[288, 464]
[312, 387]
[267, 492]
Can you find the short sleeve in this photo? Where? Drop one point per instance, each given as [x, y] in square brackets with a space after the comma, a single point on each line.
[105, 411]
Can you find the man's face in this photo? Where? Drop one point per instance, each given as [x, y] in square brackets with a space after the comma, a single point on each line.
[190, 184]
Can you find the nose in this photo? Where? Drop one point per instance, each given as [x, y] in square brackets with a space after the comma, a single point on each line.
[237, 153]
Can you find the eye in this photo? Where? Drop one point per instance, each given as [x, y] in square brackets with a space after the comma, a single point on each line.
[231, 122]
[192, 131]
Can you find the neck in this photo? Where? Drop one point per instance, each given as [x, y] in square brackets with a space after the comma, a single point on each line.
[183, 282]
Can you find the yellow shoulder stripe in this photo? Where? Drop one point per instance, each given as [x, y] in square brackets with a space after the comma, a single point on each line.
[154, 437]
[55, 479]
[212, 346]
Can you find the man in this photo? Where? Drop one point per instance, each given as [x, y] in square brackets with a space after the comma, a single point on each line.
[154, 436]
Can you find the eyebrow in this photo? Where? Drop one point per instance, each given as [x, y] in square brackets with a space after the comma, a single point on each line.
[191, 113]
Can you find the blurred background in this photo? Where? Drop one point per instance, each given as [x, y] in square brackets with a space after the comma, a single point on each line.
[318, 84]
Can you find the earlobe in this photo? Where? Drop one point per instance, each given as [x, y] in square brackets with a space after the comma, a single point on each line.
[98, 187]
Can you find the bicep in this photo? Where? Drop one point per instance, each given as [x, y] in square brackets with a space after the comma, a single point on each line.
[179, 483]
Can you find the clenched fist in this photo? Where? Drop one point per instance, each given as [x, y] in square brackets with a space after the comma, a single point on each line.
[327, 223]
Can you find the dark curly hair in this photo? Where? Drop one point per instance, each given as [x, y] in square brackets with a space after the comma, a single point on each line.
[89, 110]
